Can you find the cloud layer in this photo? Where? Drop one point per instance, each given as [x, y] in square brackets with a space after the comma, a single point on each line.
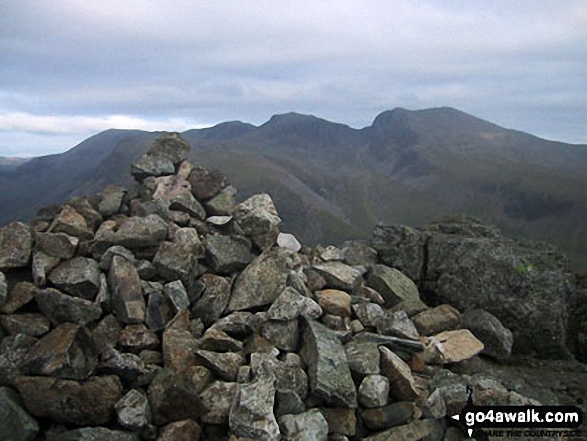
[70, 68]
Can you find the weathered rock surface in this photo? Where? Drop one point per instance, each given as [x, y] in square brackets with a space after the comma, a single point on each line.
[59, 307]
[15, 423]
[496, 338]
[258, 218]
[310, 425]
[392, 285]
[79, 277]
[16, 243]
[127, 298]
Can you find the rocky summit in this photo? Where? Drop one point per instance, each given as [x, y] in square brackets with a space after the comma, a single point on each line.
[168, 311]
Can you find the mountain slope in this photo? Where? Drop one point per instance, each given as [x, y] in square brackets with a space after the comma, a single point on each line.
[332, 182]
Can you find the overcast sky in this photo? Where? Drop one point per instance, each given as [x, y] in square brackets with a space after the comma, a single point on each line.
[72, 68]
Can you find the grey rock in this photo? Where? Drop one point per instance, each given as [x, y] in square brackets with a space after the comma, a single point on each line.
[188, 239]
[176, 293]
[394, 414]
[15, 422]
[288, 241]
[171, 146]
[392, 285]
[228, 254]
[397, 324]
[186, 430]
[174, 262]
[261, 282]
[215, 339]
[96, 434]
[32, 324]
[374, 391]
[258, 218]
[453, 390]
[126, 366]
[400, 247]
[288, 375]
[218, 397]
[68, 351]
[70, 222]
[79, 277]
[328, 369]
[133, 410]
[251, 414]
[239, 324]
[341, 420]
[42, 265]
[13, 352]
[439, 319]
[133, 233]
[59, 308]
[174, 398]
[355, 252]
[159, 311]
[283, 334]
[20, 295]
[179, 344]
[186, 203]
[206, 183]
[90, 402]
[127, 297]
[401, 381]
[60, 245]
[151, 165]
[111, 201]
[291, 304]
[223, 365]
[214, 299]
[401, 346]
[106, 333]
[307, 426]
[338, 275]
[288, 402]
[3, 290]
[116, 250]
[16, 243]
[497, 339]
[363, 357]
[368, 313]
[223, 204]
[136, 338]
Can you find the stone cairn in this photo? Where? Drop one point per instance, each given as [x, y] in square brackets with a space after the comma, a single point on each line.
[169, 312]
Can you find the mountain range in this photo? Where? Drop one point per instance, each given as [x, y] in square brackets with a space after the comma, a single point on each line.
[331, 182]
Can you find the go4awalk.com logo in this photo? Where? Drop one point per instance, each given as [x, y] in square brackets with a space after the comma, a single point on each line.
[526, 421]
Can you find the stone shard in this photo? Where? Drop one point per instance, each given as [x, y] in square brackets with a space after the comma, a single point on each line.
[133, 410]
[223, 365]
[173, 262]
[20, 295]
[178, 296]
[261, 282]
[374, 391]
[124, 365]
[15, 422]
[16, 244]
[214, 300]
[397, 324]
[32, 324]
[151, 165]
[3, 291]
[79, 277]
[392, 285]
[455, 346]
[228, 254]
[42, 265]
[328, 368]
[338, 275]
[283, 334]
[291, 304]
[89, 402]
[288, 241]
[13, 352]
[310, 425]
[60, 245]
[288, 374]
[59, 308]
[127, 297]
[171, 146]
[251, 414]
[179, 344]
[496, 338]
[68, 352]
[258, 218]
[401, 381]
[136, 338]
[112, 198]
[174, 398]
[218, 397]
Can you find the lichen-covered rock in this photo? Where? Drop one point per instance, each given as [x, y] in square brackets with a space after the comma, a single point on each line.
[394, 414]
[223, 365]
[258, 218]
[251, 414]
[214, 300]
[42, 265]
[374, 391]
[89, 402]
[79, 277]
[363, 357]
[111, 201]
[70, 222]
[218, 397]
[397, 324]
[392, 285]
[16, 244]
[261, 282]
[291, 304]
[223, 204]
[328, 368]
[151, 165]
[310, 425]
[228, 254]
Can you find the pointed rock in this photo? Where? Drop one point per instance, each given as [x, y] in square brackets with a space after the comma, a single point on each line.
[401, 382]
[338, 275]
[20, 294]
[223, 365]
[397, 324]
[258, 218]
[288, 241]
[127, 297]
[496, 338]
[60, 245]
[214, 299]
[71, 223]
[291, 304]
[16, 243]
[251, 414]
[228, 254]
[79, 277]
[328, 369]
[89, 402]
[392, 285]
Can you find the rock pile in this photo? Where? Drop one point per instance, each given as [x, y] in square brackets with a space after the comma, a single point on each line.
[170, 312]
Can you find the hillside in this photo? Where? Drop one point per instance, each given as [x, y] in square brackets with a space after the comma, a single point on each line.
[331, 182]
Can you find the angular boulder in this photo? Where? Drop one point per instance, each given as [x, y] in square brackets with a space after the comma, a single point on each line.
[16, 244]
